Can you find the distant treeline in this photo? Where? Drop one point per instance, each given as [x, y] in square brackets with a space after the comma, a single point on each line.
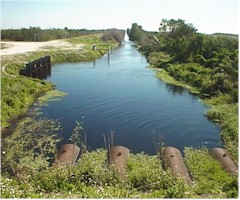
[38, 34]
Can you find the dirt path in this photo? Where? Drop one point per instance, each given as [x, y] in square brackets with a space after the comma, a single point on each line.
[10, 48]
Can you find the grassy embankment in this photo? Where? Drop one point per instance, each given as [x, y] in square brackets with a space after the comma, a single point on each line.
[19, 92]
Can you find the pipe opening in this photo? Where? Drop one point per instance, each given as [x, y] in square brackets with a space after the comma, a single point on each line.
[62, 152]
[119, 154]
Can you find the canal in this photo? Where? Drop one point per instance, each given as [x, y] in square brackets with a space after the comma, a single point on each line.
[123, 96]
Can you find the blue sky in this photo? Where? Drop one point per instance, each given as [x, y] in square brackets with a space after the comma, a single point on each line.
[208, 16]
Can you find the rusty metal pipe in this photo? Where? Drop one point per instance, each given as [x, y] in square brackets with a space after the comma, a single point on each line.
[117, 156]
[225, 160]
[68, 154]
[173, 159]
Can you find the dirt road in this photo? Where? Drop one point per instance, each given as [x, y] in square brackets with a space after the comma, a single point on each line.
[10, 48]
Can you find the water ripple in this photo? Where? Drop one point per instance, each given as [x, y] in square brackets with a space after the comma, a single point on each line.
[124, 96]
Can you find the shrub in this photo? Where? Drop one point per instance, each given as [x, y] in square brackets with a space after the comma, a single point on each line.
[115, 34]
[158, 59]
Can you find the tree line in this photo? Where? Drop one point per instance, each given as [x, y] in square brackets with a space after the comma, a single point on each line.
[207, 62]
[37, 34]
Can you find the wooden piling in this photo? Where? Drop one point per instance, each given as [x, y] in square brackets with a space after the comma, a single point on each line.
[104, 47]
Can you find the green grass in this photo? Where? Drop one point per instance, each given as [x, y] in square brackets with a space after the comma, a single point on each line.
[227, 116]
[209, 178]
[165, 77]
[88, 39]
[18, 94]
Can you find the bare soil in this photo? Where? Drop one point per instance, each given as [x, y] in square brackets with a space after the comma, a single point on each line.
[10, 48]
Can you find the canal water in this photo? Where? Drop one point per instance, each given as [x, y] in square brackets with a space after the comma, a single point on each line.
[124, 97]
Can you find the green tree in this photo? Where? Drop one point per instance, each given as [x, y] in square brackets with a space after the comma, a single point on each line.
[179, 38]
[135, 33]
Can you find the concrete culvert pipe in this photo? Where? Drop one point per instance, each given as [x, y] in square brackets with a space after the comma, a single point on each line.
[172, 158]
[225, 160]
[118, 156]
[68, 154]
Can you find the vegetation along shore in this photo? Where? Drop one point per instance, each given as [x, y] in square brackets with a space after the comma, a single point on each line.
[205, 64]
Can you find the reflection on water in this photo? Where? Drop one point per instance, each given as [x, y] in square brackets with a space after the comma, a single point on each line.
[124, 96]
[174, 88]
[178, 90]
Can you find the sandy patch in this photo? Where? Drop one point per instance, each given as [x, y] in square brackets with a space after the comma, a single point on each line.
[11, 48]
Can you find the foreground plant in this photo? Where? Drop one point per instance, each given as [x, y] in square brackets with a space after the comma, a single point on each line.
[92, 178]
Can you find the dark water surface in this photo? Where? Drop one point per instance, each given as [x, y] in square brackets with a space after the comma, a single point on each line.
[124, 96]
